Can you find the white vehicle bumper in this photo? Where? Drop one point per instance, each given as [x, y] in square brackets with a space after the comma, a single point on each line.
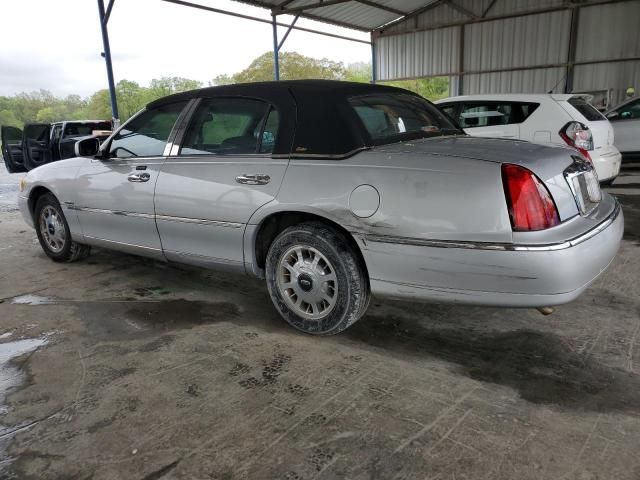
[607, 163]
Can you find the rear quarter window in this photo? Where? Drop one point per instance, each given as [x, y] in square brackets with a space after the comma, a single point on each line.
[491, 113]
[587, 110]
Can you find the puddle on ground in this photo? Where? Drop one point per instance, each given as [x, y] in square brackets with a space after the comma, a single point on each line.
[539, 365]
[11, 376]
[30, 299]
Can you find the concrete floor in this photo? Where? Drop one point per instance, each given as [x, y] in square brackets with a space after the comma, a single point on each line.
[124, 368]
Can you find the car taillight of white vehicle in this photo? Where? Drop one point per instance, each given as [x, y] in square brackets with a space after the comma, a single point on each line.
[578, 136]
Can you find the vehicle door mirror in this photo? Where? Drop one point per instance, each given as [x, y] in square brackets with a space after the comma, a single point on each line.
[87, 147]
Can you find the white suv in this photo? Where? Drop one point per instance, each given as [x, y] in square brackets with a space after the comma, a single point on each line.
[541, 118]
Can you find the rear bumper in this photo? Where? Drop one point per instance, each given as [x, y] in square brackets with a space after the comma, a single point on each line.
[498, 275]
[607, 164]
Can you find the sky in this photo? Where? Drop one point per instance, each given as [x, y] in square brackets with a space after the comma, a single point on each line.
[60, 49]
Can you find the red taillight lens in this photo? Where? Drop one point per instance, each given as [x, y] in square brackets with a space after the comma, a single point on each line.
[578, 136]
[528, 200]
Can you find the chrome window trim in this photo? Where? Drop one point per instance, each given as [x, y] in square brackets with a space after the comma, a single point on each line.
[500, 246]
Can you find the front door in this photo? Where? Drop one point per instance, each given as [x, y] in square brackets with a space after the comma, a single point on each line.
[223, 172]
[12, 149]
[114, 200]
[37, 144]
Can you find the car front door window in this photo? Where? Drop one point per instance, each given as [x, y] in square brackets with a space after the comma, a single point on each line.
[146, 135]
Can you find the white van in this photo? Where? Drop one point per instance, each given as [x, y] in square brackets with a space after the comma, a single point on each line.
[541, 118]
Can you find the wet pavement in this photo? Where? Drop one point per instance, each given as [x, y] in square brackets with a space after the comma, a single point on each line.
[123, 367]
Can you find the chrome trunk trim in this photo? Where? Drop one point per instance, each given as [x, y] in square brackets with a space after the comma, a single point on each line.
[500, 246]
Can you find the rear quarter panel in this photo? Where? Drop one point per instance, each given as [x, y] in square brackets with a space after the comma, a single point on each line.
[421, 196]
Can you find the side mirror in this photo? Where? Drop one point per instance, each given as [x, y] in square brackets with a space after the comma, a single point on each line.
[87, 147]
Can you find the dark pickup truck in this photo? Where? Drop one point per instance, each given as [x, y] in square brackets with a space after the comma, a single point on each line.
[42, 143]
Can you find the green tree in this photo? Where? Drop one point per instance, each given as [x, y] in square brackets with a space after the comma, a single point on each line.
[8, 119]
[434, 88]
[293, 66]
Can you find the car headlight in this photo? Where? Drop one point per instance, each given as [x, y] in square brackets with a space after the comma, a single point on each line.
[23, 184]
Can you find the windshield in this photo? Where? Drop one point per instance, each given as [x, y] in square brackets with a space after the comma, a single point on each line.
[394, 117]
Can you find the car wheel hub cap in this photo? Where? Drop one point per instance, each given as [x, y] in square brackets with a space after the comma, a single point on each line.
[52, 229]
[307, 281]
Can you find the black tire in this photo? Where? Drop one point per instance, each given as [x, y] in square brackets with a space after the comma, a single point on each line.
[69, 251]
[351, 291]
[607, 183]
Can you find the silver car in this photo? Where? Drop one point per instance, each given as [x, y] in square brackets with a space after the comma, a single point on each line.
[333, 192]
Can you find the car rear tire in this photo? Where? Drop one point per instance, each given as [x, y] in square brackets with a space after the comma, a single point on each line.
[316, 280]
[53, 232]
[607, 183]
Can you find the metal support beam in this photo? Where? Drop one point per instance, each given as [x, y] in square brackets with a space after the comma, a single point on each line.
[263, 20]
[276, 60]
[461, 61]
[288, 32]
[374, 63]
[461, 9]
[108, 13]
[107, 58]
[571, 53]
[488, 9]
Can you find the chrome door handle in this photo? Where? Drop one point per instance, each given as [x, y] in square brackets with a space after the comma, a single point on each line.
[253, 179]
[139, 177]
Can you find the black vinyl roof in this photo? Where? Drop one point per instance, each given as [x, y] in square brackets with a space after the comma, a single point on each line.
[315, 116]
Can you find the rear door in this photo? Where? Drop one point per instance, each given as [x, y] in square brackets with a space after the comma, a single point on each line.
[37, 145]
[221, 174]
[12, 138]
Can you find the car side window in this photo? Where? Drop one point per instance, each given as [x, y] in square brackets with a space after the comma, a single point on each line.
[225, 126]
[146, 135]
[57, 132]
[487, 114]
[630, 111]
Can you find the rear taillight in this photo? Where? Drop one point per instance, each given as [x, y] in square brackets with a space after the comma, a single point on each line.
[528, 200]
[578, 136]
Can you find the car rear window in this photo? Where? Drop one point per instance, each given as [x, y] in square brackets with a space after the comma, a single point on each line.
[491, 113]
[393, 117]
[587, 110]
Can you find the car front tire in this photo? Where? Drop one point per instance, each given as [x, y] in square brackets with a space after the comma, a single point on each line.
[53, 232]
[316, 280]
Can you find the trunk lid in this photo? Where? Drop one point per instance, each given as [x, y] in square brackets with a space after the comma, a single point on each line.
[548, 163]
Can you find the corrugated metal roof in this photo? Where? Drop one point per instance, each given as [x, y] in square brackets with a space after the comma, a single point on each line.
[365, 15]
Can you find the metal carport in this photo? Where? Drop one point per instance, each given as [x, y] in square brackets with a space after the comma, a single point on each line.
[483, 46]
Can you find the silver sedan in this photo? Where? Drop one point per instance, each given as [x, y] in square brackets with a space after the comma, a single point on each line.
[332, 192]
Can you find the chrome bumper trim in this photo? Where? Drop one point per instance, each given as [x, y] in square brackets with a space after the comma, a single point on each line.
[501, 246]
